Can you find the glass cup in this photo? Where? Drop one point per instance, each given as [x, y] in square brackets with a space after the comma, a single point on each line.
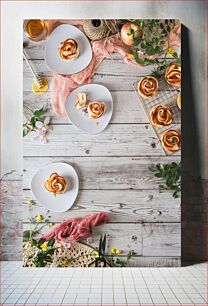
[35, 29]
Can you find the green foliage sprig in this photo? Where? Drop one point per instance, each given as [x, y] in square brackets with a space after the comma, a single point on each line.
[169, 176]
[155, 35]
[44, 251]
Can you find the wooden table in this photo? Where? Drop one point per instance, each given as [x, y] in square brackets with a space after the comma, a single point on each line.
[112, 167]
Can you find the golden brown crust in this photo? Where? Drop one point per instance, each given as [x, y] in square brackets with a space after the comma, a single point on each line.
[173, 74]
[69, 49]
[179, 100]
[96, 109]
[56, 184]
[171, 140]
[161, 115]
[148, 87]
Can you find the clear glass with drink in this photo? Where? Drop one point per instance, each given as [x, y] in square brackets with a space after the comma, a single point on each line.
[35, 29]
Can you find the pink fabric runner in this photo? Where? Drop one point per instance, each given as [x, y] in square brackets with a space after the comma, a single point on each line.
[75, 229]
[62, 85]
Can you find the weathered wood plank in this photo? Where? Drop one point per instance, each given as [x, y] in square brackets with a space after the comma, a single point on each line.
[115, 67]
[115, 140]
[127, 107]
[36, 51]
[103, 172]
[148, 239]
[144, 261]
[158, 238]
[122, 206]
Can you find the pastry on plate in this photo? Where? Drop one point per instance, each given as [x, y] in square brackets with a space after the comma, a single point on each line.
[148, 87]
[81, 100]
[161, 115]
[173, 74]
[69, 49]
[179, 100]
[171, 140]
[56, 184]
[96, 109]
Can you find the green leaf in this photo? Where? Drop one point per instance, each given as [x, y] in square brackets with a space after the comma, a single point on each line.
[27, 235]
[34, 242]
[24, 132]
[39, 112]
[150, 51]
[159, 175]
[137, 41]
[51, 242]
[33, 121]
[41, 241]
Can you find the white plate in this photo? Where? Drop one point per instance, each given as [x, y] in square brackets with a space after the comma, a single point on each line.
[60, 202]
[95, 92]
[52, 57]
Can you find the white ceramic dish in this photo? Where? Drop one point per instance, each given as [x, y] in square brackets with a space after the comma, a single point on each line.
[61, 202]
[52, 57]
[95, 92]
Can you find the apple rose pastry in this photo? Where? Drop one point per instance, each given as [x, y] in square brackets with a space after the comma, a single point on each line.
[69, 49]
[148, 87]
[179, 100]
[161, 115]
[171, 140]
[173, 74]
[56, 184]
[96, 109]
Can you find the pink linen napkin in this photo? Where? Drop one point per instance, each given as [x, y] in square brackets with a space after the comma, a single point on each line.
[75, 229]
[62, 85]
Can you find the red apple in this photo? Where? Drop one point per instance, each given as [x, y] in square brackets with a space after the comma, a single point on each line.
[129, 31]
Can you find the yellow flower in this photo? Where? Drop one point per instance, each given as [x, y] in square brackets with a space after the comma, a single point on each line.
[171, 51]
[50, 224]
[116, 251]
[39, 218]
[44, 246]
[65, 262]
[97, 255]
[129, 55]
[29, 202]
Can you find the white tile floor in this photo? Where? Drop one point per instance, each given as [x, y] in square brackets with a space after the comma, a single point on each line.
[126, 286]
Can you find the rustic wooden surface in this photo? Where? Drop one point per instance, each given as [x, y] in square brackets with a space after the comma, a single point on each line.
[112, 167]
[195, 184]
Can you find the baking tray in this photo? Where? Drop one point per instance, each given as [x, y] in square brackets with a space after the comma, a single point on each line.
[167, 95]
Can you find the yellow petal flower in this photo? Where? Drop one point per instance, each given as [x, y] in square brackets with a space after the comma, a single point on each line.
[113, 251]
[65, 262]
[97, 255]
[171, 51]
[29, 202]
[39, 218]
[118, 252]
[50, 224]
[44, 246]
[129, 55]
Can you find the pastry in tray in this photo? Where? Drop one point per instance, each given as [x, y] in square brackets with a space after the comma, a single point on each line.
[161, 115]
[69, 49]
[95, 109]
[56, 184]
[171, 140]
[148, 87]
[173, 74]
[179, 100]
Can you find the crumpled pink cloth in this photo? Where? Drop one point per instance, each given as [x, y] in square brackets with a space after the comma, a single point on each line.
[62, 85]
[75, 229]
